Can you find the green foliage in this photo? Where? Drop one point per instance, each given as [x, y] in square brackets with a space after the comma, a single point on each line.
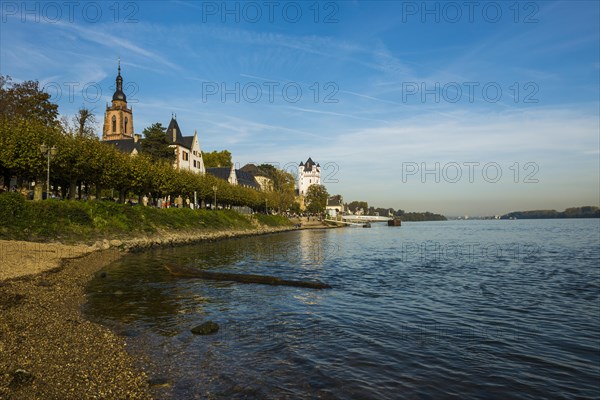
[90, 220]
[155, 143]
[26, 101]
[283, 194]
[272, 220]
[355, 205]
[12, 208]
[573, 212]
[216, 159]
[422, 216]
[316, 199]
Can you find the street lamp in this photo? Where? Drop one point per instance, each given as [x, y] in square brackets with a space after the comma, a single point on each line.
[214, 188]
[48, 152]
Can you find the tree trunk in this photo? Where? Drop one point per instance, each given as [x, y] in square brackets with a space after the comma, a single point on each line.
[6, 176]
[79, 190]
[98, 192]
[72, 188]
[122, 196]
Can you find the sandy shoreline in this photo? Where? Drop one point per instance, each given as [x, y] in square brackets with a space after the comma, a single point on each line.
[49, 350]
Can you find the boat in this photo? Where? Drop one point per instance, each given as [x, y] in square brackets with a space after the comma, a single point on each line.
[366, 225]
[395, 222]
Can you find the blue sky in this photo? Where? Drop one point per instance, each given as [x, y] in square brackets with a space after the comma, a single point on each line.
[499, 102]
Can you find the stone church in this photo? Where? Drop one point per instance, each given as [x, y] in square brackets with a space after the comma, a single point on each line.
[118, 132]
[118, 118]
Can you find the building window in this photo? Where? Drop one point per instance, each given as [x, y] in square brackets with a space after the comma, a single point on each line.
[194, 163]
[185, 156]
[114, 124]
[126, 121]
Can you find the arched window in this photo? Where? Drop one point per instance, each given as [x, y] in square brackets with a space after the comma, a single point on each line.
[126, 120]
[114, 124]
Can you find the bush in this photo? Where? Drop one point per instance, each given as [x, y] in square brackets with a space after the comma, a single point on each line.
[79, 221]
[13, 208]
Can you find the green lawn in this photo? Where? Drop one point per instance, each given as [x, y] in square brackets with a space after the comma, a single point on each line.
[80, 221]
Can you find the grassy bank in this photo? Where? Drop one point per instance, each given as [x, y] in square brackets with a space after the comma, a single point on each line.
[85, 221]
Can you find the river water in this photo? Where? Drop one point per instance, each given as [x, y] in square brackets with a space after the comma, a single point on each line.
[463, 309]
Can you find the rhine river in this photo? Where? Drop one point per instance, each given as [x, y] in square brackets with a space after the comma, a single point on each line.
[453, 309]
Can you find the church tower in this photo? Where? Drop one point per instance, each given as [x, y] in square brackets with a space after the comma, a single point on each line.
[118, 119]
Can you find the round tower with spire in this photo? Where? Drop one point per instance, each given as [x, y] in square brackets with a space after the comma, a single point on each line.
[118, 118]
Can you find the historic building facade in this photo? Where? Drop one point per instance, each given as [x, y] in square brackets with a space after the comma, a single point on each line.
[309, 174]
[187, 149]
[118, 118]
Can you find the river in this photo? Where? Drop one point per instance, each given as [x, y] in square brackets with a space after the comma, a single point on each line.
[464, 309]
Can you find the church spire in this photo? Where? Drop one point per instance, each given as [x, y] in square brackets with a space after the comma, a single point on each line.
[119, 94]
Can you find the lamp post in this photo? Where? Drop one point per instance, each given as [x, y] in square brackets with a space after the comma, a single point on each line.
[266, 208]
[48, 152]
[214, 188]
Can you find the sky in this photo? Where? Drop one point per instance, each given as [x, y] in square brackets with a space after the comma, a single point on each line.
[461, 108]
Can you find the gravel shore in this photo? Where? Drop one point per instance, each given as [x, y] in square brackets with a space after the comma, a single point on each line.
[49, 350]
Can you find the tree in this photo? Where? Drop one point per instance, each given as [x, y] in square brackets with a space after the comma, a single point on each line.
[356, 205]
[73, 157]
[316, 199]
[283, 195]
[155, 143]
[26, 100]
[20, 141]
[216, 159]
[84, 122]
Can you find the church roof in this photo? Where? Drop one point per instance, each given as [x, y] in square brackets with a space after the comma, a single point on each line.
[125, 145]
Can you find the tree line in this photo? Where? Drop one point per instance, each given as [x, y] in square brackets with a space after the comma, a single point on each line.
[358, 206]
[573, 212]
[28, 120]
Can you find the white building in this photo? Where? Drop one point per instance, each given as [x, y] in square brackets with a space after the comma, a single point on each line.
[335, 205]
[187, 149]
[309, 174]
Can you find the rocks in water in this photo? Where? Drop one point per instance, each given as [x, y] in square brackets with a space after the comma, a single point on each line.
[21, 377]
[207, 328]
[159, 382]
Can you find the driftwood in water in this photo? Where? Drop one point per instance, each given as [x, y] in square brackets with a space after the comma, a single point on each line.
[243, 278]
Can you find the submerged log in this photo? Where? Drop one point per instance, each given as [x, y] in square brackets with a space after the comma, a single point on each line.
[185, 272]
